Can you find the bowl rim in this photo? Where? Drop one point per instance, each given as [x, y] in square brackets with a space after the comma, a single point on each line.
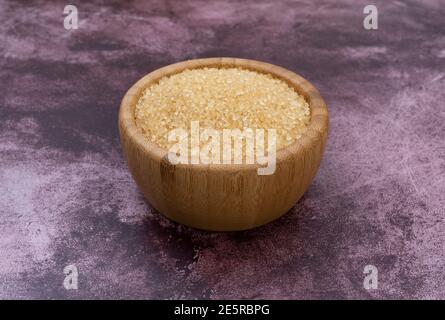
[317, 127]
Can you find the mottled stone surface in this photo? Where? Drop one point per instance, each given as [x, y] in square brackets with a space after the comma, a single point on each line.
[66, 196]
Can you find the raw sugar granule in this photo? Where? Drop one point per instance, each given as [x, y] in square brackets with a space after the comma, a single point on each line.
[221, 98]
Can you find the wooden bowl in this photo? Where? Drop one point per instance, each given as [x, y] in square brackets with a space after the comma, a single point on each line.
[223, 197]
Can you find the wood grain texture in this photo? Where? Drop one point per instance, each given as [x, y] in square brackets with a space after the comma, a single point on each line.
[223, 197]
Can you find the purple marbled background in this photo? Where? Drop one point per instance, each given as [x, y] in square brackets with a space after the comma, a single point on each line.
[66, 196]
